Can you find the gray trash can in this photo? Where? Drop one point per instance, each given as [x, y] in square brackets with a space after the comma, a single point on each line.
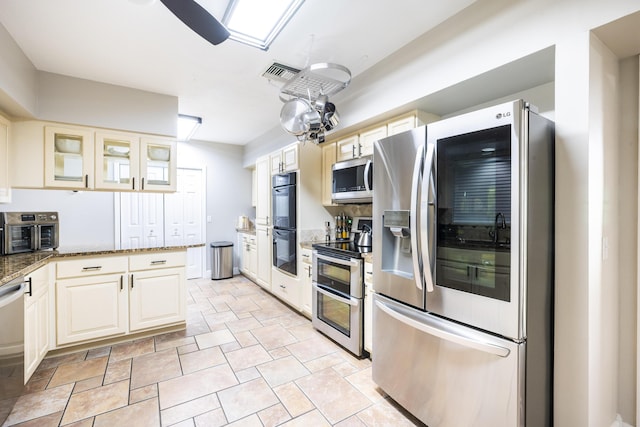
[222, 260]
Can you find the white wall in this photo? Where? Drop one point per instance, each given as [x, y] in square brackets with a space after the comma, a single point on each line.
[228, 187]
[86, 217]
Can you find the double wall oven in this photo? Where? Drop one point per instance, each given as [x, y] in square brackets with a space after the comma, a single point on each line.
[28, 231]
[283, 204]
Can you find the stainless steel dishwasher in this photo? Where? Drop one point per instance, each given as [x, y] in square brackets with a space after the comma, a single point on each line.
[11, 344]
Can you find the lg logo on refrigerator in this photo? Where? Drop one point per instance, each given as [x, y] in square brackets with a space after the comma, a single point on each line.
[501, 115]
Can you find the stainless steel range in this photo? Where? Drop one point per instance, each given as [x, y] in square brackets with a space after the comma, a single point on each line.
[338, 289]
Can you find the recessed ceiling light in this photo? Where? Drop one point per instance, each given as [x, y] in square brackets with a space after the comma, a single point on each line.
[258, 22]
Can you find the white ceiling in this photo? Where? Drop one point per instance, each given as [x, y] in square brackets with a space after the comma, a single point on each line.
[146, 47]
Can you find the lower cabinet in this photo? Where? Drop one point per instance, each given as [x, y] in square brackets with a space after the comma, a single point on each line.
[286, 287]
[99, 297]
[368, 307]
[306, 281]
[91, 307]
[157, 298]
[36, 320]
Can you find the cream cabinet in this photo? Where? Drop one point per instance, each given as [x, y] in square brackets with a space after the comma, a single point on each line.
[263, 190]
[157, 294]
[285, 160]
[347, 148]
[402, 125]
[328, 159]
[368, 306]
[248, 255]
[286, 287]
[306, 279]
[5, 183]
[36, 319]
[106, 296]
[91, 299]
[84, 158]
[368, 137]
[254, 182]
[264, 248]
[68, 157]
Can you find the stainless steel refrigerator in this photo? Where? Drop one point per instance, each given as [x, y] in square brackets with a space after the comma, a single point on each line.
[463, 268]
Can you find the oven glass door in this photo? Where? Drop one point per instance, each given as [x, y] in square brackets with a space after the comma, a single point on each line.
[335, 313]
[339, 317]
[474, 212]
[21, 238]
[48, 236]
[284, 250]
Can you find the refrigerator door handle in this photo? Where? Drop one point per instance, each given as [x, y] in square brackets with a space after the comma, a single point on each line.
[424, 243]
[445, 335]
[413, 215]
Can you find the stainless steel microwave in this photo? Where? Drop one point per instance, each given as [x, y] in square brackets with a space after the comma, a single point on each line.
[353, 181]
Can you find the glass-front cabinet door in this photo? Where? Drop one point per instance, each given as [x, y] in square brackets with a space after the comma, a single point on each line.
[157, 164]
[68, 158]
[117, 161]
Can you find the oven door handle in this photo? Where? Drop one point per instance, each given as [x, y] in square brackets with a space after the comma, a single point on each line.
[350, 301]
[351, 263]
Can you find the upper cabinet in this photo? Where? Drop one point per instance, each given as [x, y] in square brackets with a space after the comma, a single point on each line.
[285, 160]
[347, 148]
[5, 187]
[263, 190]
[369, 136]
[158, 164]
[68, 158]
[82, 158]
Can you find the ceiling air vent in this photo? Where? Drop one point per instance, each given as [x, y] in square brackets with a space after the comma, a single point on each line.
[280, 72]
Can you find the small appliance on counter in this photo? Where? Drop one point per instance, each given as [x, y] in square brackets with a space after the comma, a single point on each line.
[28, 231]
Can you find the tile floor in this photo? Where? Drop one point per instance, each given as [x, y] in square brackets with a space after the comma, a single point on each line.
[245, 359]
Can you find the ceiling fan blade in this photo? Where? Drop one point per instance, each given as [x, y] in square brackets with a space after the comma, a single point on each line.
[198, 19]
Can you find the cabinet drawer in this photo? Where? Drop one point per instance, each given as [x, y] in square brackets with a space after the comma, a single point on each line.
[91, 266]
[306, 255]
[157, 260]
[39, 282]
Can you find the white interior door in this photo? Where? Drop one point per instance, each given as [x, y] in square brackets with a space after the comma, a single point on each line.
[141, 220]
[170, 219]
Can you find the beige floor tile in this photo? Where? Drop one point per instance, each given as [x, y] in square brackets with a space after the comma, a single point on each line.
[247, 374]
[55, 361]
[312, 349]
[230, 346]
[131, 349]
[220, 318]
[213, 418]
[98, 352]
[273, 336]
[78, 371]
[155, 367]
[324, 362]
[343, 401]
[197, 328]
[245, 324]
[313, 418]
[281, 371]
[246, 399]
[87, 422]
[142, 414]
[143, 393]
[52, 420]
[243, 305]
[274, 416]
[201, 359]
[247, 357]
[118, 371]
[293, 399]
[176, 342]
[188, 387]
[189, 409]
[187, 423]
[352, 421]
[96, 401]
[212, 339]
[88, 384]
[363, 381]
[37, 384]
[386, 413]
[188, 348]
[39, 404]
[278, 353]
[245, 338]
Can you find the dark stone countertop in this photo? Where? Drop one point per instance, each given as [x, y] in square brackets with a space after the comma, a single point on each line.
[17, 265]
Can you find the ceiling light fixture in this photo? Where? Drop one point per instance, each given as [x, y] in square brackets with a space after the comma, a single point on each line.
[258, 22]
[187, 126]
